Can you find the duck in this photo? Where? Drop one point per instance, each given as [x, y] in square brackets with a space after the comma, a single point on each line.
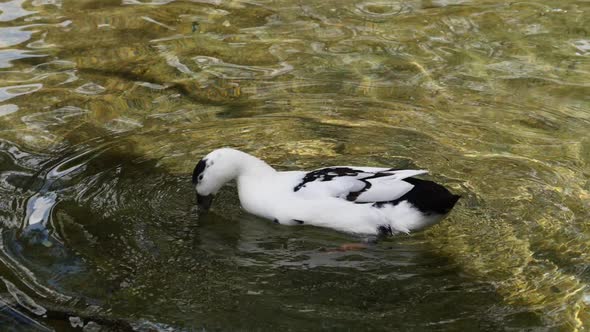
[372, 201]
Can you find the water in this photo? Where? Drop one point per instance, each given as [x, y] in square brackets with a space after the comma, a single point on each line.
[106, 106]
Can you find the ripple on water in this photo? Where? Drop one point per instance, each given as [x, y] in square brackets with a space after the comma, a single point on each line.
[90, 89]
[382, 10]
[9, 92]
[230, 71]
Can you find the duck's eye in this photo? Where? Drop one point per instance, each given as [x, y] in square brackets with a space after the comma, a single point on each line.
[201, 177]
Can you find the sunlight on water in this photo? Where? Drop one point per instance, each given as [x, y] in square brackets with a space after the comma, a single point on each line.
[106, 106]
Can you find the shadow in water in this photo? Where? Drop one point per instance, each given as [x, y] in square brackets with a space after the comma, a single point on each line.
[108, 237]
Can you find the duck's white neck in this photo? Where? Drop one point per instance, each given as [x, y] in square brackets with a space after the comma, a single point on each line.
[224, 165]
[238, 163]
[250, 165]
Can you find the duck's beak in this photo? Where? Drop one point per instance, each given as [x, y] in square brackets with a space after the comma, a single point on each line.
[204, 202]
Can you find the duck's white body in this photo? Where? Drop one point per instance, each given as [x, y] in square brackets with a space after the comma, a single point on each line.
[363, 200]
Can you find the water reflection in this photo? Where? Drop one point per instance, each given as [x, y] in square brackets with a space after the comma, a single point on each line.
[8, 109]
[10, 92]
[7, 56]
[12, 10]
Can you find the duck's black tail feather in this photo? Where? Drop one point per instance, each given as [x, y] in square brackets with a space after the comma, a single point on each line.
[430, 197]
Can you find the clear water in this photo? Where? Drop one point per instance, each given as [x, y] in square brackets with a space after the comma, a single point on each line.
[106, 106]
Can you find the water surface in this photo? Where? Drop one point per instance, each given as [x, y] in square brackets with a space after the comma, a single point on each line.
[106, 106]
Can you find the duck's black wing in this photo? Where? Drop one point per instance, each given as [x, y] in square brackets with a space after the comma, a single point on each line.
[356, 184]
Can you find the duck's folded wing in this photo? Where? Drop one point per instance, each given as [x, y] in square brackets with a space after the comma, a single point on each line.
[357, 184]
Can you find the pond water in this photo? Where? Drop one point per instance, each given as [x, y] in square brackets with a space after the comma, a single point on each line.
[106, 106]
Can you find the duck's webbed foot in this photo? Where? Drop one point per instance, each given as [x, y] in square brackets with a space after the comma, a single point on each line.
[365, 243]
[352, 246]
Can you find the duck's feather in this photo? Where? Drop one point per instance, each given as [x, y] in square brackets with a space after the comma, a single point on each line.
[356, 184]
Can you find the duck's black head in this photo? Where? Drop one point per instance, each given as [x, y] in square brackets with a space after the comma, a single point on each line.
[204, 201]
[198, 171]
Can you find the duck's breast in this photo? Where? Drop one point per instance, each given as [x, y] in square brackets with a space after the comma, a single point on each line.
[268, 197]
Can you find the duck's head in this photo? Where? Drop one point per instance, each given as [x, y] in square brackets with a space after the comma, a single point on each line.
[212, 172]
[221, 166]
